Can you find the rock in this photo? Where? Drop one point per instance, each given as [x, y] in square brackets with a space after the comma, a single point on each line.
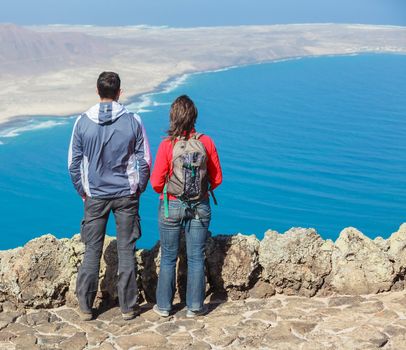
[8, 305]
[6, 336]
[262, 290]
[50, 341]
[360, 266]
[265, 315]
[232, 264]
[190, 324]
[224, 341]
[148, 269]
[107, 294]
[291, 313]
[25, 341]
[254, 328]
[106, 346]
[397, 251]
[254, 304]
[340, 322]
[201, 345]
[281, 336]
[76, 251]
[218, 321]
[167, 329]
[37, 275]
[181, 339]
[8, 317]
[370, 307]
[149, 262]
[9, 288]
[215, 335]
[208, 333]
[296, 262]
[43, 273]
[151, 316]
[345, 300]
[149, 339]
[382, 243]
[307, 304]
[68, 314]
[18, 329]
[385, 315]
[39, 318]
[57, 328]
[394, 331]
[398, 342]
[302, 327]
[369, 335]
[281, 322]
[96, 337]
[77, 341]
[135, 326]
[316, 346]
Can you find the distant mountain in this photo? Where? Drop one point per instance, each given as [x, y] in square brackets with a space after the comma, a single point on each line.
[24, 51]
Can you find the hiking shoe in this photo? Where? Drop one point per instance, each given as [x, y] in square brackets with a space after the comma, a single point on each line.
[84, 316]
[201, 312]
[127, 316]
[162, 313]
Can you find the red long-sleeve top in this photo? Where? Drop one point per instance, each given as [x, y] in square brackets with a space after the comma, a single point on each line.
[163, 162]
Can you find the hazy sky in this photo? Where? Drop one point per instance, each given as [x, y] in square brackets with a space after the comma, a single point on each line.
[187, 13]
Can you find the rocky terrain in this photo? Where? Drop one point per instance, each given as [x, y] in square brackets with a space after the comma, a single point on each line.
[280, 322]
[329, 295]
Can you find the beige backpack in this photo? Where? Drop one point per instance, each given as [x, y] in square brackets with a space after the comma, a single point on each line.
[189, 179]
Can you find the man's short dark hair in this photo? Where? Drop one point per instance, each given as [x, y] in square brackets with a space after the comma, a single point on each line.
[108, 85]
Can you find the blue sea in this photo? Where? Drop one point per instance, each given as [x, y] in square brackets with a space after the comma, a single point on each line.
[313, 142]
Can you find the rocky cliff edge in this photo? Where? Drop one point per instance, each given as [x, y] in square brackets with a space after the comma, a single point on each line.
[42, 274]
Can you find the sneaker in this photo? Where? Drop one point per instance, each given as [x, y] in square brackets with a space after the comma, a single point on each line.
[201, 312]
[84, 316]
[127, 316]
[162, 313]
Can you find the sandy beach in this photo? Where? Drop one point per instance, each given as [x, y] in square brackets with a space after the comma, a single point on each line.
[145, 57]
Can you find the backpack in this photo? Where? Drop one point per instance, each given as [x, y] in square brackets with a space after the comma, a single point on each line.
[189, 179]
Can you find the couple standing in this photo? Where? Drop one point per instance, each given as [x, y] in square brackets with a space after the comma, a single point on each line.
[109, 163]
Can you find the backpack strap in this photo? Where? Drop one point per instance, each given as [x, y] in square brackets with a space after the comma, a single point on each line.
[166, 203]
[165, 192]
[213, 196]
[197, 135]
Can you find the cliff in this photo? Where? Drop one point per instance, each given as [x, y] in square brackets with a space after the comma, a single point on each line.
[42, 274]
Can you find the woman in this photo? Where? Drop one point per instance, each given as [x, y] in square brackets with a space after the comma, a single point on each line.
[183, 178]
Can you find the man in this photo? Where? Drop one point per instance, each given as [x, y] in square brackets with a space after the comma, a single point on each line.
[109, 163]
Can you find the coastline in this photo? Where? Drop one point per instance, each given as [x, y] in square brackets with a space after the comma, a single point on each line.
[168, 54]
[174, 82]
[166, 86]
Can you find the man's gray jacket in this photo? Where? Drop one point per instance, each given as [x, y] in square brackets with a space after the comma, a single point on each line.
[109, 154]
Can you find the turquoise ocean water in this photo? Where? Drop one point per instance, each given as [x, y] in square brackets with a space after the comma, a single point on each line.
[314, 142]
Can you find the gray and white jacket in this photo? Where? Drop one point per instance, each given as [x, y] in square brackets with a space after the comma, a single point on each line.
[109, 154]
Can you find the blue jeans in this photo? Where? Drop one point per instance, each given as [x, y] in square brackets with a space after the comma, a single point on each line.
[196, 229]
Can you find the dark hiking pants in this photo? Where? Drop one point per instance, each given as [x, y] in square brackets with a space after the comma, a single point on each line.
[125, 210]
